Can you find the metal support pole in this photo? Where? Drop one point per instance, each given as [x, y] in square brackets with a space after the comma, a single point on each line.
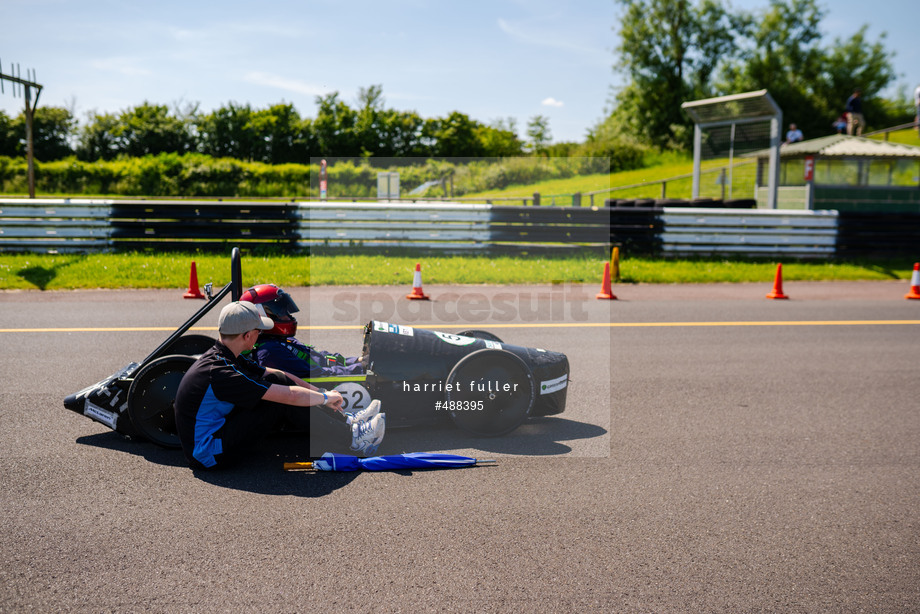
[731, 161]
[697, 151]
[30, 142]
[773, 174]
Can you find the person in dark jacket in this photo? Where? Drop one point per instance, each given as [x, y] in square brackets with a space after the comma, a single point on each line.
[226, 402]
[855, 119]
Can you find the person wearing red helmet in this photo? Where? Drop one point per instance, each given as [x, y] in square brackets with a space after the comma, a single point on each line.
[279, 348]
[226, 402]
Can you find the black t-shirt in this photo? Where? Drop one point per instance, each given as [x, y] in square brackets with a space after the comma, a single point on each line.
[215, 385]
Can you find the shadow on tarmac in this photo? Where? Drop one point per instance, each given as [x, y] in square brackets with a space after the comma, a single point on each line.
[262, 471]
[539, 436]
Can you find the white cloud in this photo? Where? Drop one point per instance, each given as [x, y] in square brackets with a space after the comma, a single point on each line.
[285, 83]
[552, 102]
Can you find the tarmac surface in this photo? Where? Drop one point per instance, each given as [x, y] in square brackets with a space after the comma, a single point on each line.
[719, 452]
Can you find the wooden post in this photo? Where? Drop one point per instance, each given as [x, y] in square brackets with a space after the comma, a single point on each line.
[30, 142]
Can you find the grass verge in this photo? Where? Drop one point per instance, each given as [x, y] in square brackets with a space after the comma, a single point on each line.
[142, 270]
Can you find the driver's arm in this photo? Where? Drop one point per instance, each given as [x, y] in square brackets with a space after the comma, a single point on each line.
[302, 397]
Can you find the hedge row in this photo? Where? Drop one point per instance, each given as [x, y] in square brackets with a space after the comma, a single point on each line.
[191, 175]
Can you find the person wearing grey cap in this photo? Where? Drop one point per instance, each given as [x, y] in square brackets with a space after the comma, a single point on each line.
[226, 402]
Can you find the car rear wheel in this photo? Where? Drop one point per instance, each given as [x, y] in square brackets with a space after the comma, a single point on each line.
[490, 393]
[152, 396]
[190, 345]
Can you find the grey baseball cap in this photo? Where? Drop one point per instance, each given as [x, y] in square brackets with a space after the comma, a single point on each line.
[241, 317]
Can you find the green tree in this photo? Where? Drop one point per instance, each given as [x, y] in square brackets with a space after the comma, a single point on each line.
[782, 53]
[227, 133]
[52, 131]
[857, 62]
[538, 134]
[455, 136]
[151, 129]
[334, 127]
[97, 139]
[402, 131]
[275, 134]
[9, 140]
[670, 51]
[500, 139]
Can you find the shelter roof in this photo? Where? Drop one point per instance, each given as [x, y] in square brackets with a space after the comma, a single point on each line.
[749, 105]
[844, 146]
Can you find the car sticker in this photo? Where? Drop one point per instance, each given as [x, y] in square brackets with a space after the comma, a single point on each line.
[493, 345]
[552, 385]
[106, 417]
[384, 327]
[455, 339]
[356, 396]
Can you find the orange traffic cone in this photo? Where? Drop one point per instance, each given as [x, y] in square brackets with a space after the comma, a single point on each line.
[606, 291]
[417, 294]
[914, 283]
[778, 284]
[193, 291]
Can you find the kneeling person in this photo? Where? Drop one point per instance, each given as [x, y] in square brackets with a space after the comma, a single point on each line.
[226, 402]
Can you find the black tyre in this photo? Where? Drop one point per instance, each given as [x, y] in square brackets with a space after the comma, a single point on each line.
[152, 396]
[490, 393]
[190, 345]
[480, 334]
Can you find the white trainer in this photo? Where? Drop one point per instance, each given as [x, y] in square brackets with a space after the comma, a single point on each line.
[367, 436]
[365, 414]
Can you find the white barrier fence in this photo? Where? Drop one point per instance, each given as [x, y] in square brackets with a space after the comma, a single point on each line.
[84, 225]
[749, 231]
[448, 226]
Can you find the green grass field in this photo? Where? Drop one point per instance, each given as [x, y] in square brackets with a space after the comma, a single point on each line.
[646, 182]
[66, 272]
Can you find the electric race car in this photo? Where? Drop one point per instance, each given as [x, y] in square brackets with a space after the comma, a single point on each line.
[485, 386]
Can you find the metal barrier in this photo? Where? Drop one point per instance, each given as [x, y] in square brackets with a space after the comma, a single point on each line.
[447, 226]
[751, 232]
[61, 225]
[83, 225]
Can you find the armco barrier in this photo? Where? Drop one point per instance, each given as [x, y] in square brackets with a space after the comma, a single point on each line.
[879, 234]
[448, 226]
[61, 225]
[749, 232]
[83, 225]
[191, 224]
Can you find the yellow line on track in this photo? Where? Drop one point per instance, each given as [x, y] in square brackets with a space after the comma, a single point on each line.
[146, 329]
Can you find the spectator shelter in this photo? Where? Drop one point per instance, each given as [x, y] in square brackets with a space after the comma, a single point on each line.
[733, 125]
[846, 173]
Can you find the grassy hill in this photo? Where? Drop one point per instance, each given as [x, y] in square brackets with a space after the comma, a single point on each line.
[639, 183]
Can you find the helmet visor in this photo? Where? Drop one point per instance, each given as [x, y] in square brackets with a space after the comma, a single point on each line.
[281, 308]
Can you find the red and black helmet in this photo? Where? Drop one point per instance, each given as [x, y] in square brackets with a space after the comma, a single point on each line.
[278, 305]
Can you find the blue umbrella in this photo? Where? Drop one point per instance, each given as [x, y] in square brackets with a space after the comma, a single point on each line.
[393, 462]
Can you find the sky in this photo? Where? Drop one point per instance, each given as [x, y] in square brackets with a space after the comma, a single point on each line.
[489, 59]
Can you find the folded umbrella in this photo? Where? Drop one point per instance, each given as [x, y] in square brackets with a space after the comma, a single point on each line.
[392, 462]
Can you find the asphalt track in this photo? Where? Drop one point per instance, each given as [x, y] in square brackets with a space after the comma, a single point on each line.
[720, 452]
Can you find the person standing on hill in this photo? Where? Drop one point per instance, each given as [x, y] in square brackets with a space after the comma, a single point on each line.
[855, 119]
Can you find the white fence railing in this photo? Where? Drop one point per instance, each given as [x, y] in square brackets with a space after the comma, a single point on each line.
[72, 225]
[749, 231]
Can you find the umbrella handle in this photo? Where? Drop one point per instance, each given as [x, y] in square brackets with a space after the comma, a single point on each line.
[306, 466]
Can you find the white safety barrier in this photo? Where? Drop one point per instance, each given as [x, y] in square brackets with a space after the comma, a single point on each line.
[61, 225]
[448, 226]
[748, 231]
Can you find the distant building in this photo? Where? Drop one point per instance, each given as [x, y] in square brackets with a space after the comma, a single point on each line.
[846, 173]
